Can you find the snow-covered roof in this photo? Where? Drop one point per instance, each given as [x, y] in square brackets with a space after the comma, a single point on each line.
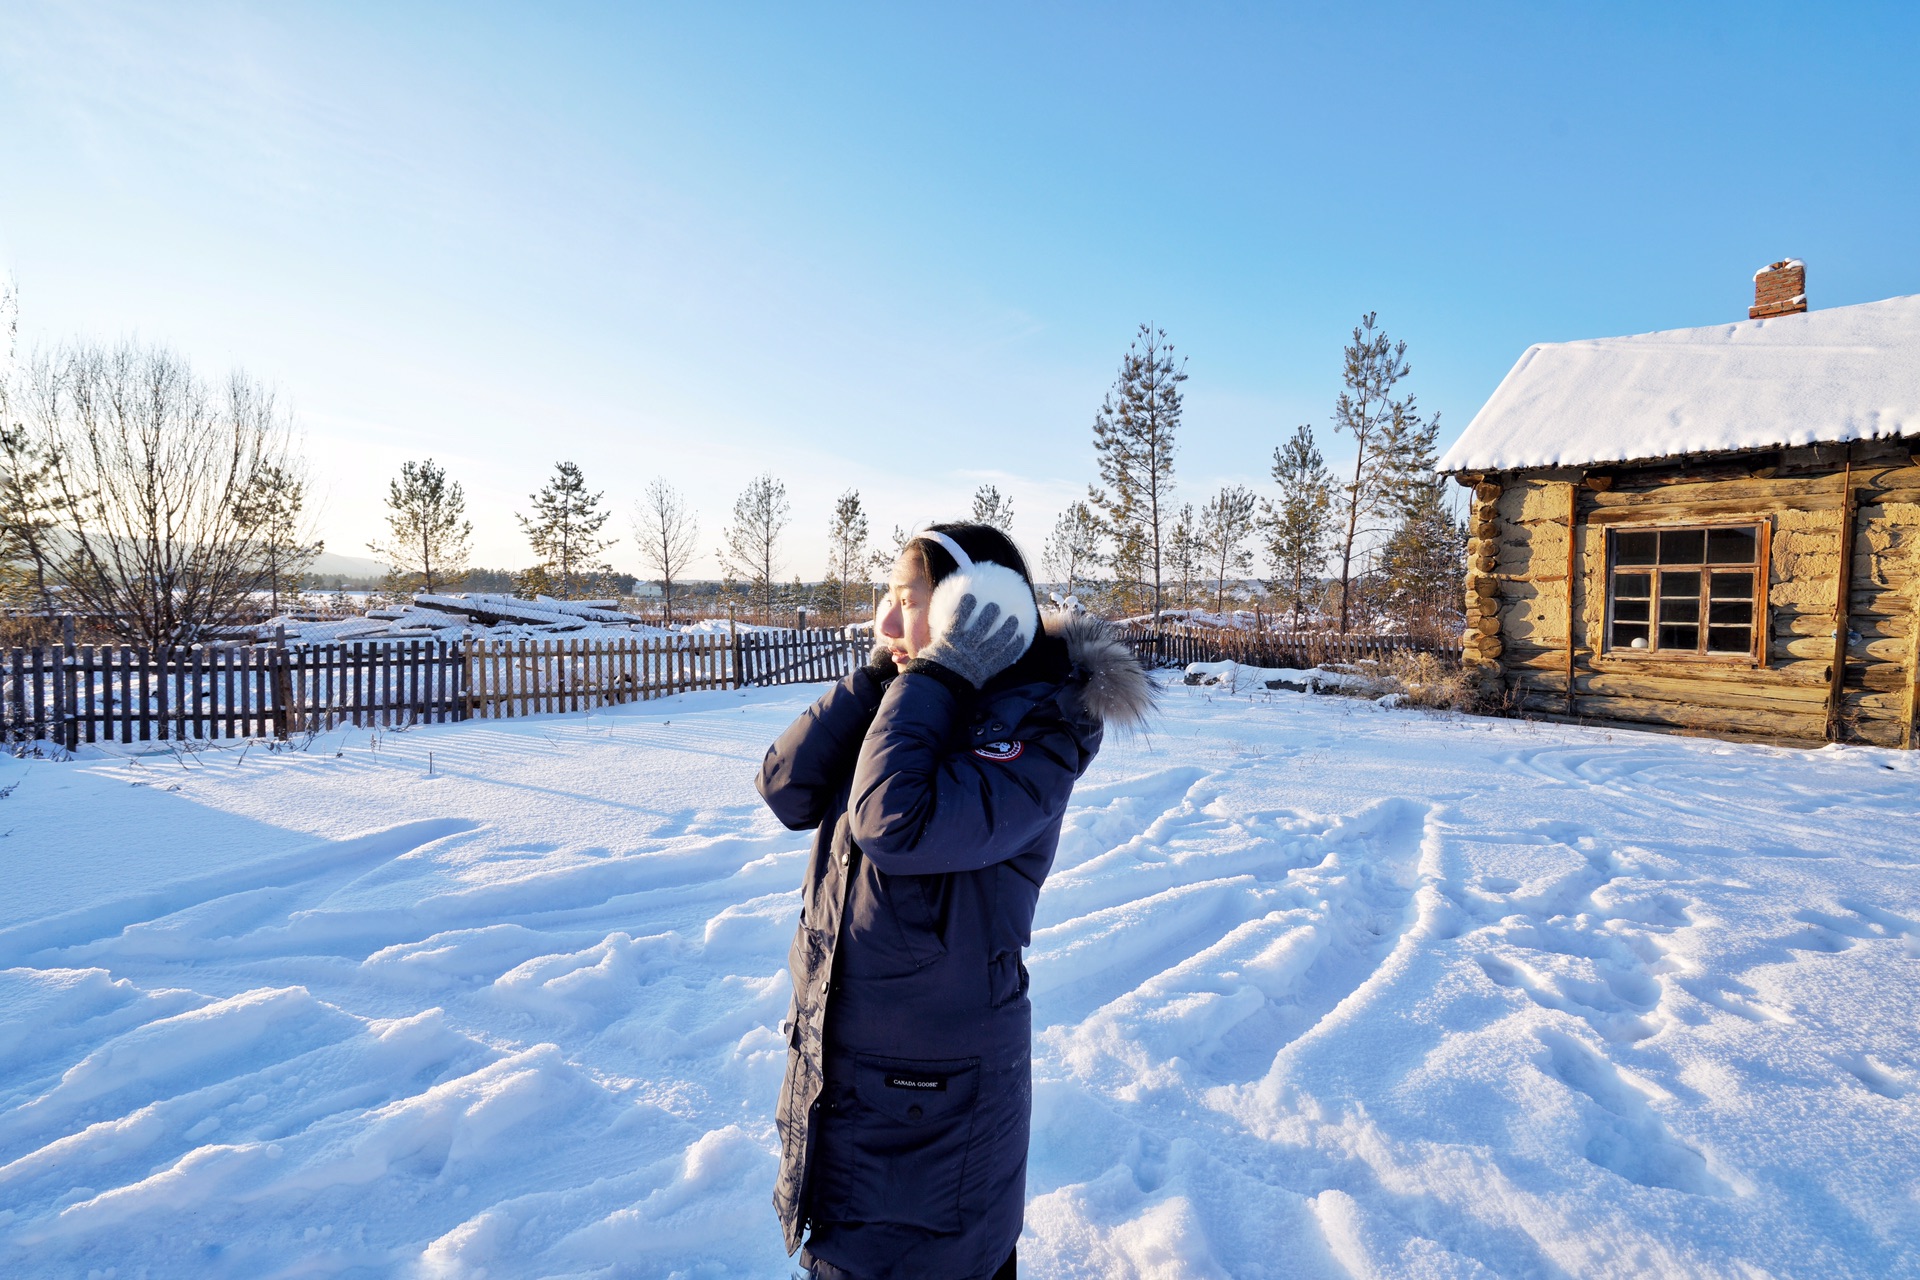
[1845, 373]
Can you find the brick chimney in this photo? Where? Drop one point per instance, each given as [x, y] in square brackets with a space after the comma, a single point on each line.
[1779, 290]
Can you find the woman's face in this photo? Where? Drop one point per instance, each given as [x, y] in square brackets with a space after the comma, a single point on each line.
[902, 620]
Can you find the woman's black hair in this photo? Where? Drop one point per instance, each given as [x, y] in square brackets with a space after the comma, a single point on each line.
[981, 541]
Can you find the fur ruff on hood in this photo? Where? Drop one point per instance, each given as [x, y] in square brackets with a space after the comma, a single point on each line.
[1118, 691]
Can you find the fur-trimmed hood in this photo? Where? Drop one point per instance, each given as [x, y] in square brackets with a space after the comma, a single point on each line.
[1113, 687]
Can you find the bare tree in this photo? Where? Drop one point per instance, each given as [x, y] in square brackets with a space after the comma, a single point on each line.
[1226, 522]
[427, 528]
[990, 506]
[752, 547]
[154, 471]
[1073, 548]
[564, 529]
[665, 529]
[847, 557]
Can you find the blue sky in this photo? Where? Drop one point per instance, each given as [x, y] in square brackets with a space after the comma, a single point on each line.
[901, 248]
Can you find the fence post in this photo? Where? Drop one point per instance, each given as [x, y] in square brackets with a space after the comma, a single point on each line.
[733, 634]
[282, 686]
[66, 692]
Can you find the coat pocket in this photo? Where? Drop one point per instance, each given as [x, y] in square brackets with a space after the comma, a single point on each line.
[918, 906]
[1006, 979]
[910, 1130]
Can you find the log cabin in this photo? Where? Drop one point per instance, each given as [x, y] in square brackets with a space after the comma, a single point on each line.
[1711, 530]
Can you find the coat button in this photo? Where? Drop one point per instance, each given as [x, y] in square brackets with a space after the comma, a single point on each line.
[826, 986]
[914, 1113]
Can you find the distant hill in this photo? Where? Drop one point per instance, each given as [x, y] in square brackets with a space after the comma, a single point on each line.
[352, 566]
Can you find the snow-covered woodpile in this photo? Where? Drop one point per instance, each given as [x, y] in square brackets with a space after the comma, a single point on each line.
[451, 616]
[1710, 529]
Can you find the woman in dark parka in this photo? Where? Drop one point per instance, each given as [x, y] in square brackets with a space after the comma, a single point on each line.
[937, 777]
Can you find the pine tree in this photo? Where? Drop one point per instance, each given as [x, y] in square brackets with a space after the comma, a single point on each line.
[427, 528]
[564, 530]
[1133, 438]
[32, 504]
[531, 584]
[752, 549]
[1073, 549]
[275, 510]
[990, 506]
[847, 556]
[1225, 524]
[1183, 554]
[1424, 562]
[1406, 458]
[1299, 526]
[1388, 436]
[885, 555]
[665, 530]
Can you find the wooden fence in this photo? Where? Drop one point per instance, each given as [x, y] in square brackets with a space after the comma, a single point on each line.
[72, 694]
[1178, 645]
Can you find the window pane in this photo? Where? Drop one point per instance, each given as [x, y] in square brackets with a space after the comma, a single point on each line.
[1680, 584]
[1681, 609]
[1683, 546]
[1729, 639]
[1731, 612]
[1631, 610]
[1637, 585]
[1680, 638]
[1634, 548]
[1732, 546]
[1629, 635]
[1732, 586]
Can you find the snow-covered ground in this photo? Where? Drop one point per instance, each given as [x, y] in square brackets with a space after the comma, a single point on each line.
[1321, 990]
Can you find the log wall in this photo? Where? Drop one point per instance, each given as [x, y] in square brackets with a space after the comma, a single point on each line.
[1534, 631]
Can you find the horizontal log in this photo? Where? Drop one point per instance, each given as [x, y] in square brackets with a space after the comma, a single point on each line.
[1727, 486]
[1673, 718]
[1878, 702]
[1795, 699]
[1809, 674]
[1779, 723]
[1819, 622]
[1878, 677]
[1875, 733]
[1820, 648]
[1705, 511]
[1536, 658]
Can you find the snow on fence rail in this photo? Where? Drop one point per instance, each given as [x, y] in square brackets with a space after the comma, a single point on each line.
[1176, 646]
[72, 694]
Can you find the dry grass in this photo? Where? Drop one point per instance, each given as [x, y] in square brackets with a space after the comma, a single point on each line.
[1427, 680]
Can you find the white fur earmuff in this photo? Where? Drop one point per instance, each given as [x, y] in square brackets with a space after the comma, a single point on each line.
[988, 583]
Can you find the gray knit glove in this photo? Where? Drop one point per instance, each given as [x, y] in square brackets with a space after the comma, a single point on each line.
[979, 645]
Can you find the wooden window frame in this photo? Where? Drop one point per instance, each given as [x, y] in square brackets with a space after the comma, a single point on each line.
[1756, 655]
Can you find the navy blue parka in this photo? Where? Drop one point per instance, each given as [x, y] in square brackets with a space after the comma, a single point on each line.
[905, 1111]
